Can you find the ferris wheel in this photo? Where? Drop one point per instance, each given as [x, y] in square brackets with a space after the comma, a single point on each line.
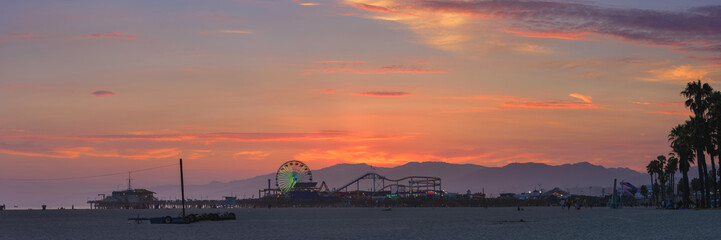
[290, 174]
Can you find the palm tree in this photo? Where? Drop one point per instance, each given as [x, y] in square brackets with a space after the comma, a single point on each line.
[697, 101]
[661, 175]
[670, 170]
[650, 169]
[680, 138]
[714, 119]
[644, 191]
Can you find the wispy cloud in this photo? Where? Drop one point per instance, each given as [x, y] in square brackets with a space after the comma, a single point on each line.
[110, 35]
[660, 104]
[383, 94]
[695, 29]
[585, 99]
[309, 4]
[680, 113]
[339, 136]
[359, 67]
[680, 74]
[510, 102]
[75, 152]
[102, 93]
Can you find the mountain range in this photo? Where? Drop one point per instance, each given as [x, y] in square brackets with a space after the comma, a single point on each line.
[579, 178]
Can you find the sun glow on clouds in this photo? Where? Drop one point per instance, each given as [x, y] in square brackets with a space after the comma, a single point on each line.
[509, 102]
[443, 30]
[681, 74]
[375, 157]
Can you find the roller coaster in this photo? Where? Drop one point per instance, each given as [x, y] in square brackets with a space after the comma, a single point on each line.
[403, 187]
[294, 178]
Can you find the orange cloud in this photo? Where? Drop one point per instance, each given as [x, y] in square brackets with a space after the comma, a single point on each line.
[340, 136]
[310, 4]
[358, 67]
[585, 99]
[681, 113]
[661, 104]
[681, 74]
[506, 102]
[383, 94]
[374, 8]
[75, 152]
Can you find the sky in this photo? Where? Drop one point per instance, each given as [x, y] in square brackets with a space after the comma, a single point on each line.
[236, 88]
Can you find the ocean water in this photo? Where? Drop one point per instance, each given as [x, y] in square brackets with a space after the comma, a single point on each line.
[369, 223]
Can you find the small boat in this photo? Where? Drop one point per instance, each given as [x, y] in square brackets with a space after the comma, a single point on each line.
[185, 219]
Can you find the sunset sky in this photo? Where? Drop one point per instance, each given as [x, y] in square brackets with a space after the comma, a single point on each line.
[236, 88]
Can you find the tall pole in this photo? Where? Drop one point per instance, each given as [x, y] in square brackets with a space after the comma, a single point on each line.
[182, 187]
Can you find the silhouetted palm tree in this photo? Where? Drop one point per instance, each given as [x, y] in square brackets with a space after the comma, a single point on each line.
[670, 170]
[714, 120]
[697, 94]
[651, 168]
[680, 138]
[661, 175]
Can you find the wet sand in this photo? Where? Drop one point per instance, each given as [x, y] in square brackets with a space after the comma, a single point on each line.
[371, 223]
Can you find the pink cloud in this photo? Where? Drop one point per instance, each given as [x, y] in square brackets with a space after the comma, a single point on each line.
[102, 93]
[383, 94]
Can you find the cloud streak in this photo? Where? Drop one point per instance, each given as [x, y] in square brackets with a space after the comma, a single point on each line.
[339, 136]
[110, 35]
[102, 93]
[383, 94]
[510, 102]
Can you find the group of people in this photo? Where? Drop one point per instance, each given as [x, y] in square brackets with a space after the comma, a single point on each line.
[568, 203]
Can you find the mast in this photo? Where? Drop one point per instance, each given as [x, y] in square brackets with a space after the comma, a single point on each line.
[182, 187]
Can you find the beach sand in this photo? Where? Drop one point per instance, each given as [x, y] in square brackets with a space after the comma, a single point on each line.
[370, 223]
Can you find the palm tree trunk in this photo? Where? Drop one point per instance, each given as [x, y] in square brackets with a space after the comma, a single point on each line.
[714, 189]
[702, 175]
[686, 190]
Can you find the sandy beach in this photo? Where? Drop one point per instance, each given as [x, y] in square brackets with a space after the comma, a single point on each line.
[370, 223]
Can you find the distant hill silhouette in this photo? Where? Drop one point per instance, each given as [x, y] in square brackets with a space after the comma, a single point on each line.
[514, 177]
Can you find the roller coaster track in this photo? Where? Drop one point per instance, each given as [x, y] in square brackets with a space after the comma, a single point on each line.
[420, 181]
